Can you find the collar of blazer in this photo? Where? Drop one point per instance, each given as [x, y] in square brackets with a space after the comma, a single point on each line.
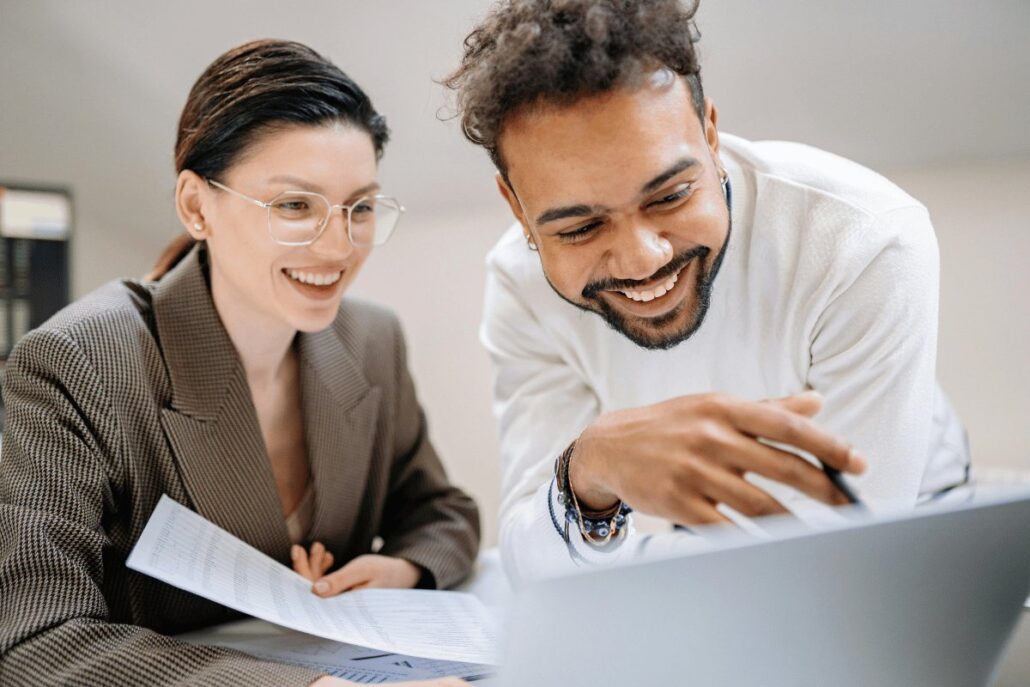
[213, 429]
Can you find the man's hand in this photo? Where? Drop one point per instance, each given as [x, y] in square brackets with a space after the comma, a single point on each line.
[680, 458]
[366, 572]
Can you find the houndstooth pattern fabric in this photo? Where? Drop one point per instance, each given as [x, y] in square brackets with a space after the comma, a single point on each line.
[136, 391]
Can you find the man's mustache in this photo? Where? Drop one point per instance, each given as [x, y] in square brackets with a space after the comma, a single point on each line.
[667, 270]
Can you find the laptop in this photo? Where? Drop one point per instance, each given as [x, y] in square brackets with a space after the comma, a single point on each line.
[925, 598]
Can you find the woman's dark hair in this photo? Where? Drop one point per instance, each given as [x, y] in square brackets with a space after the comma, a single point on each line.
[557, 51]
[252, 89]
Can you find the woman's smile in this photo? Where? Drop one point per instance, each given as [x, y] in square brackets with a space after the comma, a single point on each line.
[316, 283]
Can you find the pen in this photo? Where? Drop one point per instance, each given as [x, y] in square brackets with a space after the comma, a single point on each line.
[838, 481]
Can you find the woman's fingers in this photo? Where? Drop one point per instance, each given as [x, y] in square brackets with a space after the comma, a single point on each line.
[358, 572]
[313, 564]
[317, 554]
[300, 561]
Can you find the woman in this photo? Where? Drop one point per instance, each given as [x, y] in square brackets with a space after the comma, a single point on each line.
[236, 382]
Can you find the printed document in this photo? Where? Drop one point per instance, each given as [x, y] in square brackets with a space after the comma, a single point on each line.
[354, 663]
[183, 549]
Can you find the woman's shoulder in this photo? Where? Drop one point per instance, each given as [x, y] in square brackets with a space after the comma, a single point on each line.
[115, 323]
[116, 308]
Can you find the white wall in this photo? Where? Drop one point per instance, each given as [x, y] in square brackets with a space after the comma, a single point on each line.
[933, 93]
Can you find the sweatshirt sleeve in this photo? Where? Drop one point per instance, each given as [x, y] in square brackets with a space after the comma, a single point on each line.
[541, 404]
[874, 351]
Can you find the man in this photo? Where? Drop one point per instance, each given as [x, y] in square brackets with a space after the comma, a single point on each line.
[679, 315]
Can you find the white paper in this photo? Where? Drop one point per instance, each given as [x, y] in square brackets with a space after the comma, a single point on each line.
[355, 663]
[183, 549]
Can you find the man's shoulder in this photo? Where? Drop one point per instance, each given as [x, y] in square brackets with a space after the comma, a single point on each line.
[510, 255]
[791, 173]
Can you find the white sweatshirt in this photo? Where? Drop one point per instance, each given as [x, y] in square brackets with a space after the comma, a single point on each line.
[829, 282]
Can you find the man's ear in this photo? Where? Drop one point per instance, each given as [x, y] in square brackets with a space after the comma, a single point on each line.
[513, 202]
[190, 192]
[711, 127]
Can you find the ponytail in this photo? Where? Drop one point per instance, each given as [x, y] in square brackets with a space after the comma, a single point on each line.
[171, 256]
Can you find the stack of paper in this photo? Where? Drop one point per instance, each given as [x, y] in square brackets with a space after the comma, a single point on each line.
[183, 549]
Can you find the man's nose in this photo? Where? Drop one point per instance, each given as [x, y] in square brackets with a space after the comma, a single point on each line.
[638, 252]
[334, 243]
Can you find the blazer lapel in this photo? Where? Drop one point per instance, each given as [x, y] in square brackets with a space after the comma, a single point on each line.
[340, 417]
[211, 423]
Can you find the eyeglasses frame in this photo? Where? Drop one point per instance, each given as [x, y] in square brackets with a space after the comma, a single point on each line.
[325, 221]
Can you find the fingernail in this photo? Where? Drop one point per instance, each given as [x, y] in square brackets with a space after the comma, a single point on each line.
[811, 392]
[322, 587]
[856, 463]
[294, 552]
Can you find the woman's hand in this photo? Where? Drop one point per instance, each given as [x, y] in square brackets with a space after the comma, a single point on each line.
[330, 681]
[313, 564]
[369, 571]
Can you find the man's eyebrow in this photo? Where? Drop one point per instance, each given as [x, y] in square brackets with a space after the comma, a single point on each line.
[676, 168]
[569, 211]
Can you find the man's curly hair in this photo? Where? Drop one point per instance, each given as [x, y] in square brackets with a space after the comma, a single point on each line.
[557, 51]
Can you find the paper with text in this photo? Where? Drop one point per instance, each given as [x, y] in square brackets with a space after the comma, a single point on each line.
[355, 663]
[183, 549]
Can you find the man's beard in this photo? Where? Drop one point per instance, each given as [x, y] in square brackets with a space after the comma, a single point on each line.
[641, 331]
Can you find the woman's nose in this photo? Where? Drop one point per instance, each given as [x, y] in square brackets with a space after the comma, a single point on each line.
[335, 239]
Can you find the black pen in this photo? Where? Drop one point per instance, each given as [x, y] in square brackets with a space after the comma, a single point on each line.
[838, 481]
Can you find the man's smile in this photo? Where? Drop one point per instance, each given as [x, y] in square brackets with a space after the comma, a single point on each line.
[655, 298]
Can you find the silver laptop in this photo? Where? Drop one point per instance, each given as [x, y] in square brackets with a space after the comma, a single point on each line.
[927, 598]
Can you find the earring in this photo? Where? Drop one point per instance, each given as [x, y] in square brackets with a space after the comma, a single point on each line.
[196, 225]
[531, 244]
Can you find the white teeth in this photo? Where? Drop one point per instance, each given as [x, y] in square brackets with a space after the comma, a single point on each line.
[317, 279]
[646, 296]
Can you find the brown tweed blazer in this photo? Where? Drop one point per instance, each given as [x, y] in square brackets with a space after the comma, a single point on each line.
[136, 391]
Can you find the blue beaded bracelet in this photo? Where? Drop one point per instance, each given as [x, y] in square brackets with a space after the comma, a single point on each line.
[596, 528]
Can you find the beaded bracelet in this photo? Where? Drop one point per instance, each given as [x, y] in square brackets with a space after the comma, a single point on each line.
[597, 528]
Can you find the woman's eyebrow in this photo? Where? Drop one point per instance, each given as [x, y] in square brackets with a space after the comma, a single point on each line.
[305, 185]
[366, 189]
[302, 184]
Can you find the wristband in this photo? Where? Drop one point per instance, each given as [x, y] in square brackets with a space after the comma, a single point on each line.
[597, 528]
